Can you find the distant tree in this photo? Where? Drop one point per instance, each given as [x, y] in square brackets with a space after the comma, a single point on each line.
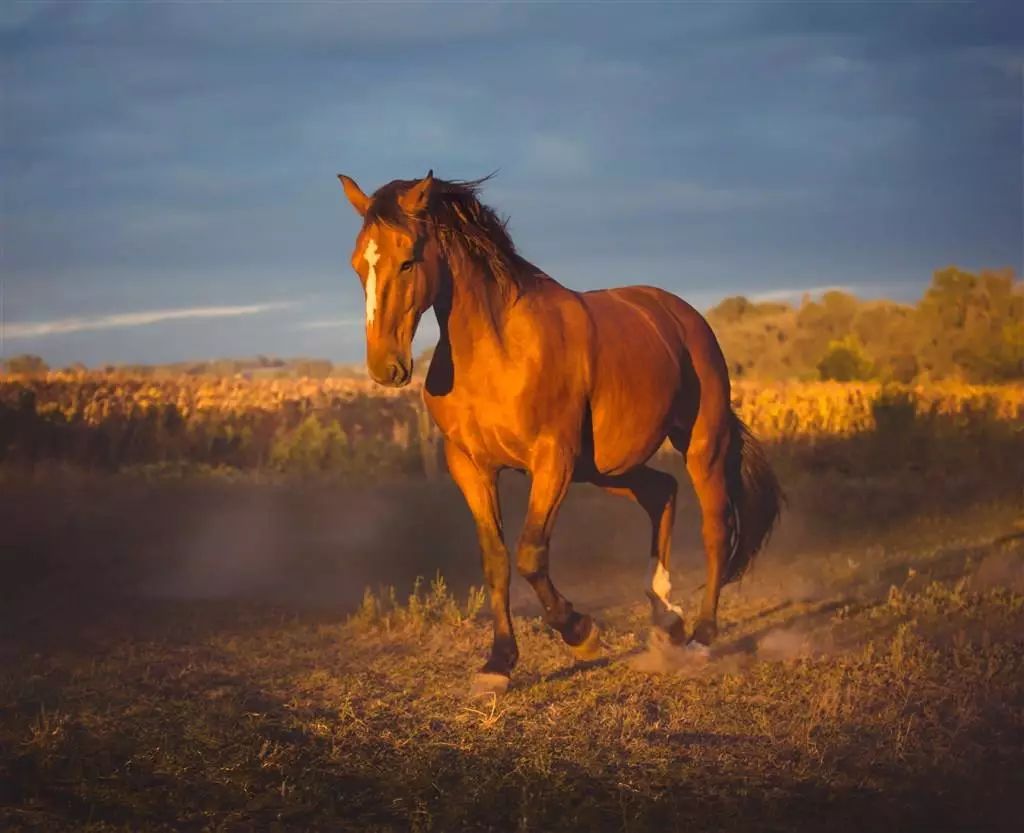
[730, 310]
[886, 331]
[1006, 363]
[845, 361]
[966, 325]
[902, 368]
[26, 364]
[840, 309]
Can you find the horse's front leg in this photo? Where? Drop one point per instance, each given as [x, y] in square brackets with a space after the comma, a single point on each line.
[551, 474]
[480, 488]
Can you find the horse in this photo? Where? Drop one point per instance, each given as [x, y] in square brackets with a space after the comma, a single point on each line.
[565, 386]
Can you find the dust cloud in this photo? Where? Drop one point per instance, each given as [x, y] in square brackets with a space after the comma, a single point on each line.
[94, 542]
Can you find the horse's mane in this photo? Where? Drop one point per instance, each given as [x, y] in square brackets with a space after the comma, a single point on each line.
[460, 220]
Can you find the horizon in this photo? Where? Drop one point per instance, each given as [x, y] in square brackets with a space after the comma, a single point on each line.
[169, 169]
[425, 336]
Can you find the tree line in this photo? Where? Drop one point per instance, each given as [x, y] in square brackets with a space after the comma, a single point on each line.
[967, 326]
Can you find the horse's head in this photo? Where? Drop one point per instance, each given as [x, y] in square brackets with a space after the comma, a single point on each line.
[399, 264]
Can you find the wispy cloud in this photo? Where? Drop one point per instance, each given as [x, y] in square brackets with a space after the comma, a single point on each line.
[61, 326]
[798, 292]
[329, 323]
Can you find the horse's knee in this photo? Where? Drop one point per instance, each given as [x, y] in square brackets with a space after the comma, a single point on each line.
[495, 567]
[531, 560]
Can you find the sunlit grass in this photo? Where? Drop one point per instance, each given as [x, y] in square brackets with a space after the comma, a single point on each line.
[888, 704]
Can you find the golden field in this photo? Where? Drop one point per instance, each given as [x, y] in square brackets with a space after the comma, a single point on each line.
[110, 421]
[799, 410]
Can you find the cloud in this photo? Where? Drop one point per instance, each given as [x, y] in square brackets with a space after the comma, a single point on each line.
[61, 326]
[798, 292]
[330, 323]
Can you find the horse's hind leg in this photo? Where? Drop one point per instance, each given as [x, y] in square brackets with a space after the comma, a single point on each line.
[655, 491]
[706, 464]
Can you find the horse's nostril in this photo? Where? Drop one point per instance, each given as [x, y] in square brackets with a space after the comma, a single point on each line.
[398, 371]
[392, 372]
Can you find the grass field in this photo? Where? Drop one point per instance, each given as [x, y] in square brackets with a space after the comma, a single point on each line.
[192, 655]
[113, 421]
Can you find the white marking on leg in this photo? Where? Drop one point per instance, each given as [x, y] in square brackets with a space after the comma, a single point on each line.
[661, 586]
[371, 257]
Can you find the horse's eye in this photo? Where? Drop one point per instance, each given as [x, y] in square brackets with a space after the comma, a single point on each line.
[406, 266]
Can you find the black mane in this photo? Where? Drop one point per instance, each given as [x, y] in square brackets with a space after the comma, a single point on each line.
[459, 219]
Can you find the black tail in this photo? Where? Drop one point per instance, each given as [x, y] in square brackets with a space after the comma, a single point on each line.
[755, 499]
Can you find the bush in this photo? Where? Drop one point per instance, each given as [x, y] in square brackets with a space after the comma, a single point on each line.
[26, 365]
[311, 447]
[845, 361]
[894, 411]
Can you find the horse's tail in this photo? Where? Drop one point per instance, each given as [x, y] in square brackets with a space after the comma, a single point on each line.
[755, 499]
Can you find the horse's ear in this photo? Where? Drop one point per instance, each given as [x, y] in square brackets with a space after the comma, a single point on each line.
[415, 200]
[360, 202]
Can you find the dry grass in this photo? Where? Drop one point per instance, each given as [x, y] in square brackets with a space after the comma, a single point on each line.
[775, 410]
[875, 688]
[807, 410]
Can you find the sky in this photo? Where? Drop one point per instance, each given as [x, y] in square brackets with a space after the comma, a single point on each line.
[168, 170]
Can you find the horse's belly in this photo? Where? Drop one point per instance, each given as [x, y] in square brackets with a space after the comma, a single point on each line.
[627, 434]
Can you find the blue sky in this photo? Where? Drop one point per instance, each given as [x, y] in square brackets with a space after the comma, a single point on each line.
[168, 169]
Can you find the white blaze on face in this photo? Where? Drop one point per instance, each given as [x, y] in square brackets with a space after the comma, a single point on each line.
[371, 257]
[661, 586]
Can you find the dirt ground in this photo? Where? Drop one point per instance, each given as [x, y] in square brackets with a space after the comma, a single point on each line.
[183, 655]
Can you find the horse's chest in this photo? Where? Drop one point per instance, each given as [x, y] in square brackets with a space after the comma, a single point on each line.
[486, 428]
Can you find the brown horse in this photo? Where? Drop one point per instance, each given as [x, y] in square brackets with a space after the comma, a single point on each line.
[568, 386]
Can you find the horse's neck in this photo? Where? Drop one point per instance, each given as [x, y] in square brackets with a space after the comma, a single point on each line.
[475, 314]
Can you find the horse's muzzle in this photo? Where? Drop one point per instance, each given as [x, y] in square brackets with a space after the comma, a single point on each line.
[394, 373]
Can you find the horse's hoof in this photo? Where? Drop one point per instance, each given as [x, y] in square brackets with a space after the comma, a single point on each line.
[704, 633]
[697, 651]
[672, 627]
[488, 683]
[590, 648]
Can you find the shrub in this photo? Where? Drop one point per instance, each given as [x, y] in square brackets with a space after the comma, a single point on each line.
[845, 361]
[311, 447]
[26, 364]
[423, 608]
